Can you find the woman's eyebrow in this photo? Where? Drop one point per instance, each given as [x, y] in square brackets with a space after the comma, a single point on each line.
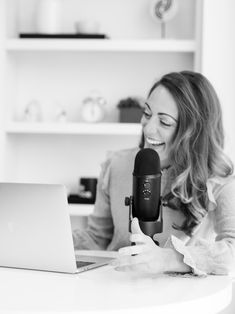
[147, 105]
[166, 114]
[162, 113]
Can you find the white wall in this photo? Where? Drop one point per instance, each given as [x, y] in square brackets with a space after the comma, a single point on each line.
[218, 64]
[218, 59]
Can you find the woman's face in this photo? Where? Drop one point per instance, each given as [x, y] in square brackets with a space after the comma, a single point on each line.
[159, 122]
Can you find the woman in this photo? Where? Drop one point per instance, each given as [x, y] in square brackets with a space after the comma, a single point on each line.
[182, 121]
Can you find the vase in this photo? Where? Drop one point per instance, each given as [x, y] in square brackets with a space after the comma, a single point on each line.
[48, 16]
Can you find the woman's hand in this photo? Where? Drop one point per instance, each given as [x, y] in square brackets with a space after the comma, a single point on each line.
[145, 256]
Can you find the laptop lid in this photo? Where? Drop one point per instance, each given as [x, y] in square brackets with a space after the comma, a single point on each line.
[35, 227]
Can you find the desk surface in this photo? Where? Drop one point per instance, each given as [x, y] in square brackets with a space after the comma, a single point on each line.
[104, 290]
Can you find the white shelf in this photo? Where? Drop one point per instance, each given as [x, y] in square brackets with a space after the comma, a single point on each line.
[73, 128]
[105, 45]
[80, 209]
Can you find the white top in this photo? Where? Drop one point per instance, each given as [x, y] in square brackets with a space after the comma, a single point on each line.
[104, 289]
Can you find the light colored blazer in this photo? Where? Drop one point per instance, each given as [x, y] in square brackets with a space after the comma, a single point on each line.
[211, 248]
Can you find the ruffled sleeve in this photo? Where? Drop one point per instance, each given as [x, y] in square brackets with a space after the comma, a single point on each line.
[99, 231]
[216, 255]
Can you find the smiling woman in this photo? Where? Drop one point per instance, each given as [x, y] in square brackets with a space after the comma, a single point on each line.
[182, 122]
[159, 123]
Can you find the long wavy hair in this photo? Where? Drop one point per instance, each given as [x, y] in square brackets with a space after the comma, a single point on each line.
[197, 147]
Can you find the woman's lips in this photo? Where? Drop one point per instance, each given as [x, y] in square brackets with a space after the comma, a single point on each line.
[154, 142]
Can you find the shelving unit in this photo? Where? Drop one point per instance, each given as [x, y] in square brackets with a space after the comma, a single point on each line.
[66, 70]
[108, 45]
[73, 128]
[80, 210]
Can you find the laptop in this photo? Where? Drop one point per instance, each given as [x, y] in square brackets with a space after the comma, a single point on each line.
[35, 230]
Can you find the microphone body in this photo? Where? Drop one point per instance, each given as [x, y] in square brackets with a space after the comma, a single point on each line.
[145, 202]
[146, 197]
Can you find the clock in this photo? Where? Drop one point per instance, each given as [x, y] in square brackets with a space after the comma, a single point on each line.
[93, 109]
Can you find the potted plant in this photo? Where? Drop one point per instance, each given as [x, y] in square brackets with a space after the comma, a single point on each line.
[130, 110]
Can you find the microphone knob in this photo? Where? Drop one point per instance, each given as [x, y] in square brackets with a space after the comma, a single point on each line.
[146, 185]
[164, 202]
[127, 201]
[147, 193]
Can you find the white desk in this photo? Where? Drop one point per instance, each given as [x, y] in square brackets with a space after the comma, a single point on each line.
[104, 290]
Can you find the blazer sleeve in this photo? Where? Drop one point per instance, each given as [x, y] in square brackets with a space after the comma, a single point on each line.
[218, 255]
[99, 231]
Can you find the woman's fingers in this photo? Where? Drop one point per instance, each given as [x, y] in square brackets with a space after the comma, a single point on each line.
[128, 260]
[131, 250]
[131, 263]
[135, 227]
[130, 268]
[137, 257]
[140, 238]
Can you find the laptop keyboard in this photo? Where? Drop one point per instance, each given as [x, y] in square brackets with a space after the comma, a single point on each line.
[81, 263]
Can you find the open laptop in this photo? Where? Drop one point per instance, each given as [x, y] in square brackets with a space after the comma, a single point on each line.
[35, 230]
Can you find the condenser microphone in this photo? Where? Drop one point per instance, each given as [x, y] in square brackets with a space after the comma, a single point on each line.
[145, 202]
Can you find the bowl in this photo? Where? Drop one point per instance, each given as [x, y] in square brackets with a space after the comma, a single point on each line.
[87, 27]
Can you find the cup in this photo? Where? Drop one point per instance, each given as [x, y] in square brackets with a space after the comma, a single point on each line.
[87, 188]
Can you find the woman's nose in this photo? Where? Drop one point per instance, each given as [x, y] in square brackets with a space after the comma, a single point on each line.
[152, 126]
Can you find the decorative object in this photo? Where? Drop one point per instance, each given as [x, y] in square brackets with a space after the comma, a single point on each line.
[93, 108]
[86, 192]
[60, 114]
[163, 11]
[130, 110]
[32, 112]
[48, 16]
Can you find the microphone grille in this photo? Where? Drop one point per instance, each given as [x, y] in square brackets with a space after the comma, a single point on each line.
[147, 162]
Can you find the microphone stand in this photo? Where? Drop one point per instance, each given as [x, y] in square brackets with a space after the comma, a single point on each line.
[149, 228]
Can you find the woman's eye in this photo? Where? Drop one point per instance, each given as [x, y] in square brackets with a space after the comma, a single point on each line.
[147, 114]
[165, 123]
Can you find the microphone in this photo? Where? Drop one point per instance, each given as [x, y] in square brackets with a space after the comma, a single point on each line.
[145, 202]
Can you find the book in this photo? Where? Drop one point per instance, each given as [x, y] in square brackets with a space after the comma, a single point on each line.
[63, 36]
